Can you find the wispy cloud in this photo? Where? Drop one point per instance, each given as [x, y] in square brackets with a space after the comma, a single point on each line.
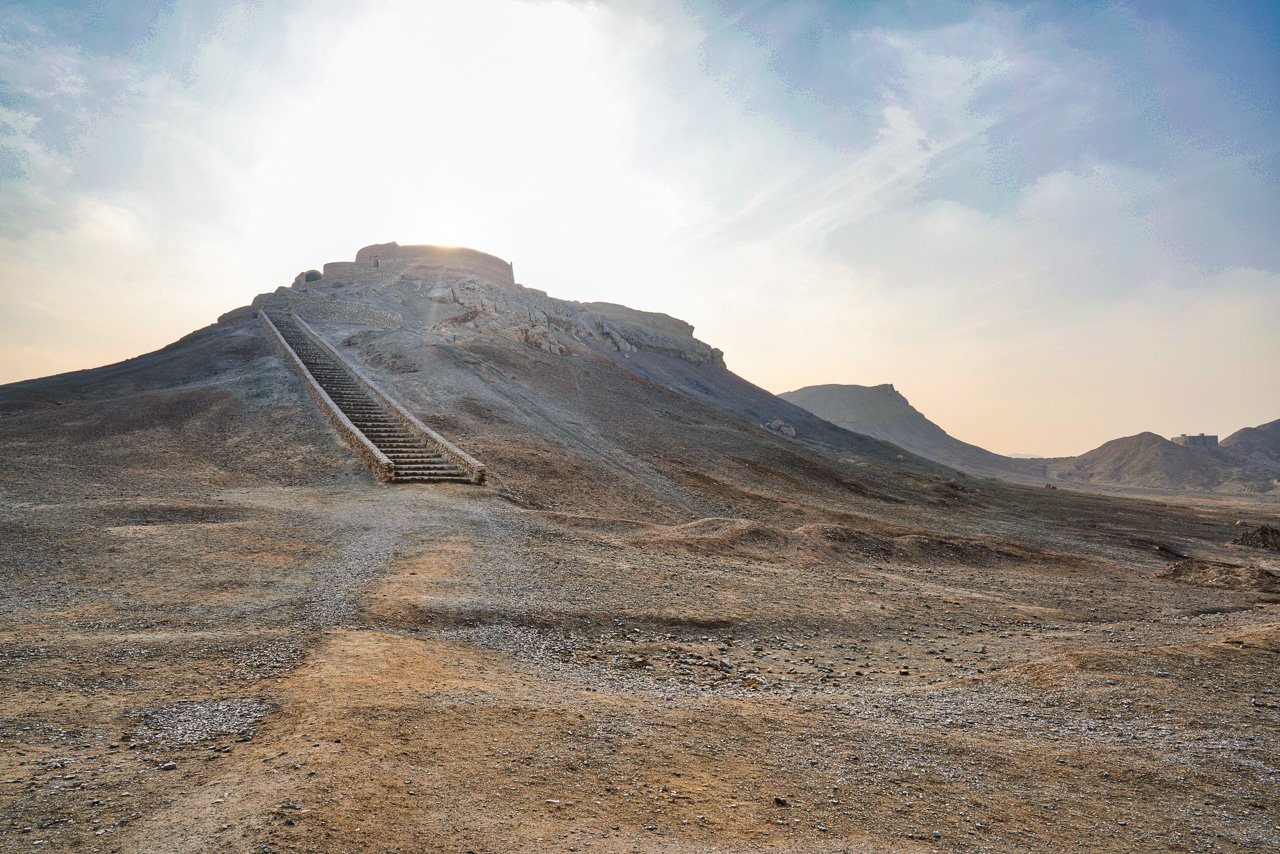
[830, 191]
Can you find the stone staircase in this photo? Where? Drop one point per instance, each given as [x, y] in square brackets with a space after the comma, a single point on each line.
[415, 458]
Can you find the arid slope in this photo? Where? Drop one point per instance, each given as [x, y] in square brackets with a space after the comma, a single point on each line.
[1247, 461]
[881, 411]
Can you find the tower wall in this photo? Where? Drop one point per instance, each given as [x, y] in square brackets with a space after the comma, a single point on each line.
[437, 260]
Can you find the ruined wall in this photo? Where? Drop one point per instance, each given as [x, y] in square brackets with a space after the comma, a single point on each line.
[340, 271]
[428, 262]
[1199, 441]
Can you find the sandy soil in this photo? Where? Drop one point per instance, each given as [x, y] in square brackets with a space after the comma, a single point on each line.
[436, 668]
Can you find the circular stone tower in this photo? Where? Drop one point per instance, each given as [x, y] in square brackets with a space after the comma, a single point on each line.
[428, 262]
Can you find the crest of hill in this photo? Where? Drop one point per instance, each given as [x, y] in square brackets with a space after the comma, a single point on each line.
[1246, 461]
[1149, 461]
[405, 298]
[1261, 443]
[881, 411]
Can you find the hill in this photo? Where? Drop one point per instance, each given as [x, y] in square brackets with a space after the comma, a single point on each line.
[881, 411]
[1147, 460]
[679, 615]
[1242, 463]
[1247, 461]
[1260, 444]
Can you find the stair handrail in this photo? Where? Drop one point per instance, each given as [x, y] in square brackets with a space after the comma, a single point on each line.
[381, 464]
[476, 469]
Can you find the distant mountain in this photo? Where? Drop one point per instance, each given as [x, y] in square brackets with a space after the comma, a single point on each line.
[1246, 461]
[1147, 460]
[1259, 444]
[881, 411]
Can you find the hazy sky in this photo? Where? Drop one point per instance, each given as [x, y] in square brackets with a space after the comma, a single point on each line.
[1047, 224]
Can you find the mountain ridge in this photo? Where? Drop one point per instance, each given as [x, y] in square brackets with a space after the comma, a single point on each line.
[883, 412]
[1246, 461]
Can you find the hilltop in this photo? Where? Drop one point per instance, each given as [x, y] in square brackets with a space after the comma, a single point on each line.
[1153, 462]
[1259, 444]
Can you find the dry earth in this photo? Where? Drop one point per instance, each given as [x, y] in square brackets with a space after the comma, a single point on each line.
[374, 668]
[680, 632]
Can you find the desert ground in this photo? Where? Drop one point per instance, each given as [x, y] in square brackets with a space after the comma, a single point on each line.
[680, 633]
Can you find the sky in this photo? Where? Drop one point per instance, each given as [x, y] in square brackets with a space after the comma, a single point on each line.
[1047, 224]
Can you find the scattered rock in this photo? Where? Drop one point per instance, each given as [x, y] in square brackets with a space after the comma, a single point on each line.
[1223, 576]
[1262, 537]
[187, 722]
[783, 426]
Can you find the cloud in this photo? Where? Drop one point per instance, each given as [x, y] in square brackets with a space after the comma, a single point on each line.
[963, 200]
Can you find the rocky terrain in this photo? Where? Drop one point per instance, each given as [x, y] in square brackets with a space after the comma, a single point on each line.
[1153, 462]
[881, 411]
[1259, 444]
[683, 615]
[1247, 461]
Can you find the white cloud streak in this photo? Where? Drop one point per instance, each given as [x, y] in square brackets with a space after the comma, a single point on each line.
[966, 234]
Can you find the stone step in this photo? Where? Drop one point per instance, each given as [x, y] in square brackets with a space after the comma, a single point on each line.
[435, 478]
[416, 459]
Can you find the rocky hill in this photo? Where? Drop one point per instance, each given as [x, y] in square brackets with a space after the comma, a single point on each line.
[1246, 461]
[1258, 444]
[881, 411]
[468, 344]
[1146, 460]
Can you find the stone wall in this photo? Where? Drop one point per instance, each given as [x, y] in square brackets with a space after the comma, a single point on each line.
[368, 453]
[340, 272]
[1199, 441]
[476, 469]
[429, 262]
